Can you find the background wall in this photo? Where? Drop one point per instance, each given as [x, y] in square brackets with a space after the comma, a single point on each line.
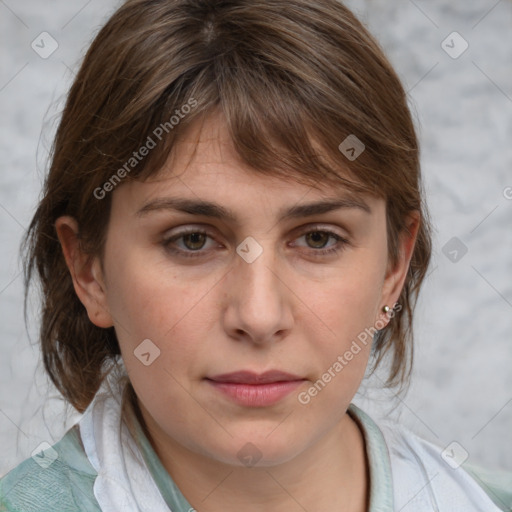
[462, 98]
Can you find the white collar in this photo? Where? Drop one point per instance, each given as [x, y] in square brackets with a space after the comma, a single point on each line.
[406, 472]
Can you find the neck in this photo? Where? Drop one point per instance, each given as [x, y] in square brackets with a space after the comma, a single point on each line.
[331, 474]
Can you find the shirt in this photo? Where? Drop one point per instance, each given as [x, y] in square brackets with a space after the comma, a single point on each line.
[99, 466]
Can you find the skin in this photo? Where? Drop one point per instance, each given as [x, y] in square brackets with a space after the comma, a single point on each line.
[291, 309]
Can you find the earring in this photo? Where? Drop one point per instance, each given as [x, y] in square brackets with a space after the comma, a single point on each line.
[385, 309]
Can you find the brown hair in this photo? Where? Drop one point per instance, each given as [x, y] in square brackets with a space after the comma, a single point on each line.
[293, 79]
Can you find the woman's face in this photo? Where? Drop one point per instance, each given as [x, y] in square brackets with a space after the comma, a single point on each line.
[211, 269]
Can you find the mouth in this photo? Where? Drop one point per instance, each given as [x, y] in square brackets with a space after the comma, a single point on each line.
[256, 390]
[248, 377]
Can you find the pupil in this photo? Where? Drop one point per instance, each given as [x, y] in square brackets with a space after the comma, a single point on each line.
[194, 238]
[318, 236]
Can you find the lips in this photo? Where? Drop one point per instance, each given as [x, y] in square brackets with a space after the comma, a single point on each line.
[248, 377]
[250, 389]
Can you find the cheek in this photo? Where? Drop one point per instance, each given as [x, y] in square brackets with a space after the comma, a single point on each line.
[350, 301]
[342, 323]
[147, 304]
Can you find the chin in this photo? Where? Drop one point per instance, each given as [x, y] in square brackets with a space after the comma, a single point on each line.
[261, 451]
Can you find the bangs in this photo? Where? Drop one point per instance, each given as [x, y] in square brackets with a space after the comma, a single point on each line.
[271, 130]
[287, 106]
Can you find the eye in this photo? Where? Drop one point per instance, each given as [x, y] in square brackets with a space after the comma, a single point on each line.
[317, 239]
[192, 242]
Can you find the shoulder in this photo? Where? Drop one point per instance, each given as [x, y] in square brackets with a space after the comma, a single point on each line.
[497, 484]
[58, 478]
[427, 475]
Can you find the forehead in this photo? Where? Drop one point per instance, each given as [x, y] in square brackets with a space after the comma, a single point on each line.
[204, 172]
[205, 150]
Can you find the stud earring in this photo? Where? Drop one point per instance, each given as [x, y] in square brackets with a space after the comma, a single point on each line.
[385, 309]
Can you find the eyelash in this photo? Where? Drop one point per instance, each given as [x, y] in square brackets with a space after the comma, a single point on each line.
[194, 254]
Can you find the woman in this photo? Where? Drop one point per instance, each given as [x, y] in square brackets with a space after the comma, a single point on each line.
[232, 228]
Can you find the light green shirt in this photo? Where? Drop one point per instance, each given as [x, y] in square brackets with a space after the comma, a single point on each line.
[67, 484]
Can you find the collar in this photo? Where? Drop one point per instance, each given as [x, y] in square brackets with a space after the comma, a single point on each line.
[381, 482]
[381, 485]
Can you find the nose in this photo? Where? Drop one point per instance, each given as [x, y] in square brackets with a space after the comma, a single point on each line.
[259, 301]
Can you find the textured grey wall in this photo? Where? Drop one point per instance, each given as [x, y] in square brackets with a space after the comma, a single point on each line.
[462, 385]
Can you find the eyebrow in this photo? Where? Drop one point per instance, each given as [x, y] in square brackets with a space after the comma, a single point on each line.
[209, 209]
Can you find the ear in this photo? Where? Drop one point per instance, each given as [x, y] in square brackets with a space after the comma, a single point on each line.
[395, 277]
[86, 273]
